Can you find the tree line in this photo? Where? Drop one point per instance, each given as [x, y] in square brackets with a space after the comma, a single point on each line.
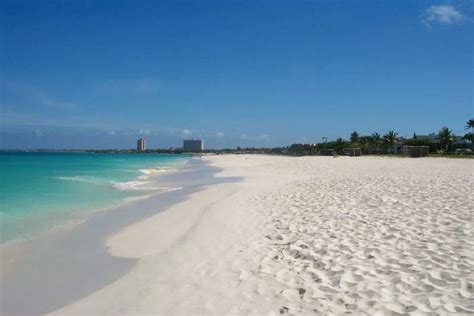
[390, 142]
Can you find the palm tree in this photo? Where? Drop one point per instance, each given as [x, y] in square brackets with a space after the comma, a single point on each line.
[446, 137]
[375, 140]
[469, 137]
[354, 137]
[364, 142]
[390, 138]
[469, 124]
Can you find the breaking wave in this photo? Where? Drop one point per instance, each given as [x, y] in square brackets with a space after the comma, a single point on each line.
[83, 179]
[138, 184]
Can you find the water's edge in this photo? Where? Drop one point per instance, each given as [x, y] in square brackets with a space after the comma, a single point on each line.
[45, 274]
[47, 191]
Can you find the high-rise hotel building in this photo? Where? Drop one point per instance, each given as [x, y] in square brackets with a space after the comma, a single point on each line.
[194, 145]
[141, 146]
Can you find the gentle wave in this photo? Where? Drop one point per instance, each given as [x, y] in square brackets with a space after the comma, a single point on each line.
[156, 170]
[140, 186]
[136, 198]
[153, 171]
[129, 185]
[135, 185]
[77, 184]
[125, 170]
[81, 179]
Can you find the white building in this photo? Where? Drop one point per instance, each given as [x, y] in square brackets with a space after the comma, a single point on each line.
[141, 145]
[193, 145]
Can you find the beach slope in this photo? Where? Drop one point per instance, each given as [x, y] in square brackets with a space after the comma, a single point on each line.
[310, 235]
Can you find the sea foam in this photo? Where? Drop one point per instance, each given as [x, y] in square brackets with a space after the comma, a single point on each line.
[82, 179]
[147, 173]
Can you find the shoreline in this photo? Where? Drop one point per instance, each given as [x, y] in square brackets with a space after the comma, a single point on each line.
[282, 235]
[56, 262]
[69, 194]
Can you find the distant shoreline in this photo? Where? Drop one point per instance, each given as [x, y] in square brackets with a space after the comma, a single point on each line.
[246, 151]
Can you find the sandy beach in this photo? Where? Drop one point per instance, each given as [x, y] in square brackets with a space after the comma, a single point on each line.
[282, 235]
[242, 158]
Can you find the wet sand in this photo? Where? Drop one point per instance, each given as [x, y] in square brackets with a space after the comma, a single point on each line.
[44, 274]
[268, 235]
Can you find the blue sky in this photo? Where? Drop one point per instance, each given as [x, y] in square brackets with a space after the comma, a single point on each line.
[100, 74]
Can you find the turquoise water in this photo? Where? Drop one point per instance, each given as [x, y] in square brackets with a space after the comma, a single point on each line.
[40, 191]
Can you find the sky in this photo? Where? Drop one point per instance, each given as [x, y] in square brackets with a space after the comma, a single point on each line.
[100, 74]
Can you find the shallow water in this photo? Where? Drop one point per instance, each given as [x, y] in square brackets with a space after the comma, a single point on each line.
[43, 274]
[40, 191]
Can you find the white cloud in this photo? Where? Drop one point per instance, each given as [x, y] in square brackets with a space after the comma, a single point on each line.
[111, 132]
[220, 134]
[255, 137]
[443, 14]
[39, 132]
[263, 137]
[185, 133]
[144, 131]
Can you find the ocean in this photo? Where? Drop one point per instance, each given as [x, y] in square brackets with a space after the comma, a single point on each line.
[42, 191]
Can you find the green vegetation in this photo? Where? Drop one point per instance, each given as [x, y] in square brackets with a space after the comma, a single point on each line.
[390, 138]
[470, 124]
[446, 138]
[469, 136]
[443, 143]
[354, 137]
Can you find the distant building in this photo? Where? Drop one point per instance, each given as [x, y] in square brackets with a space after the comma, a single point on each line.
[141, 146]
[193, 145]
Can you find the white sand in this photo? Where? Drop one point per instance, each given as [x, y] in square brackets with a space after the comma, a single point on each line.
[311, 235]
